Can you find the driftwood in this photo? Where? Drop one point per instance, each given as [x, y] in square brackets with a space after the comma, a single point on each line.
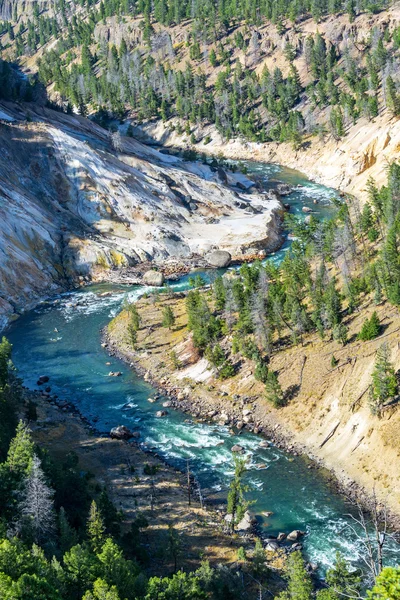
[353, 404]
[330, 435]
[358, 443]
[301, 371]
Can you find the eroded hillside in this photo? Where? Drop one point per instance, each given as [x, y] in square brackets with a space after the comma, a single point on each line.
[327, 414]
[76, 203]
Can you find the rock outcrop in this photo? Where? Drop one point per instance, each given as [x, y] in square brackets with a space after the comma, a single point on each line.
[75, 209]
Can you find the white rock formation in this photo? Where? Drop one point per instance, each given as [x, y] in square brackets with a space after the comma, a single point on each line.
[71, 207]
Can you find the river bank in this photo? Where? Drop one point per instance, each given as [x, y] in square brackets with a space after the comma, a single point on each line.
[139, 482]
[357, 467]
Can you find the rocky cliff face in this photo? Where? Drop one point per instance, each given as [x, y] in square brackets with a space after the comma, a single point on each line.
[24, 8]
[76, 204]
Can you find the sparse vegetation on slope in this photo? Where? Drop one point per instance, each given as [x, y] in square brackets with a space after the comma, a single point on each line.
[289, 336]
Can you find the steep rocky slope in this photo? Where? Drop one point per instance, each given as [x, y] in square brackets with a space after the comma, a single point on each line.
[328, 415]
[74, 207]
[347, 164]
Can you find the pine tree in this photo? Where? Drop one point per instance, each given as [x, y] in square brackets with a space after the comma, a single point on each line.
[116, 570]
[132, 335]
[102, 591]
[219, 293]
[237, 504]
[384, 383]
[340, 333]
[370, 329]
[343, 582]
[174, 545]
[168, 319]
[299, 581]
[68, 535]
[21, 450]
[134, 316]
[387, 585]
[392, 97]
[273, 390]
[337, 125]
[213, 58]
[96, 529]
[258, 561]
[5, 357]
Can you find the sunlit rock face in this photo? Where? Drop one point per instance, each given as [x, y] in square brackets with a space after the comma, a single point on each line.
[76, 204]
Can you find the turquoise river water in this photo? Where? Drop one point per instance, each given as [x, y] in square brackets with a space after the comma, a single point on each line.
[61, 338]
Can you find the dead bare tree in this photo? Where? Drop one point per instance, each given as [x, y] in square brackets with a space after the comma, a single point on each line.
[36, 505]
[371, 530]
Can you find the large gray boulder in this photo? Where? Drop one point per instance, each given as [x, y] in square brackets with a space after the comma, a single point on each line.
[219, 258]
[246, 523]
[153, 278]
[237, 448]
[272, 546]
[284, 189]
[121, 433]
[294, 535]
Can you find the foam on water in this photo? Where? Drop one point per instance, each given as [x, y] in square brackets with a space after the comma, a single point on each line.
[313, 190]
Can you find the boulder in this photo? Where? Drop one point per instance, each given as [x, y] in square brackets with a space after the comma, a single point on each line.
[296, 546]
[43, 379]
[237, 448]
[281, 537]
[167, 404]
[228, 518]
[306, 209]
[161, 413]
[218, 258]
[136, 434]
[293, 536]
[153, 278]
[152, 400]
[264, 444]
[222, 176]
[272, 546]
[246, 523]
[121, 433]
[283, 189]
[115, 374]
